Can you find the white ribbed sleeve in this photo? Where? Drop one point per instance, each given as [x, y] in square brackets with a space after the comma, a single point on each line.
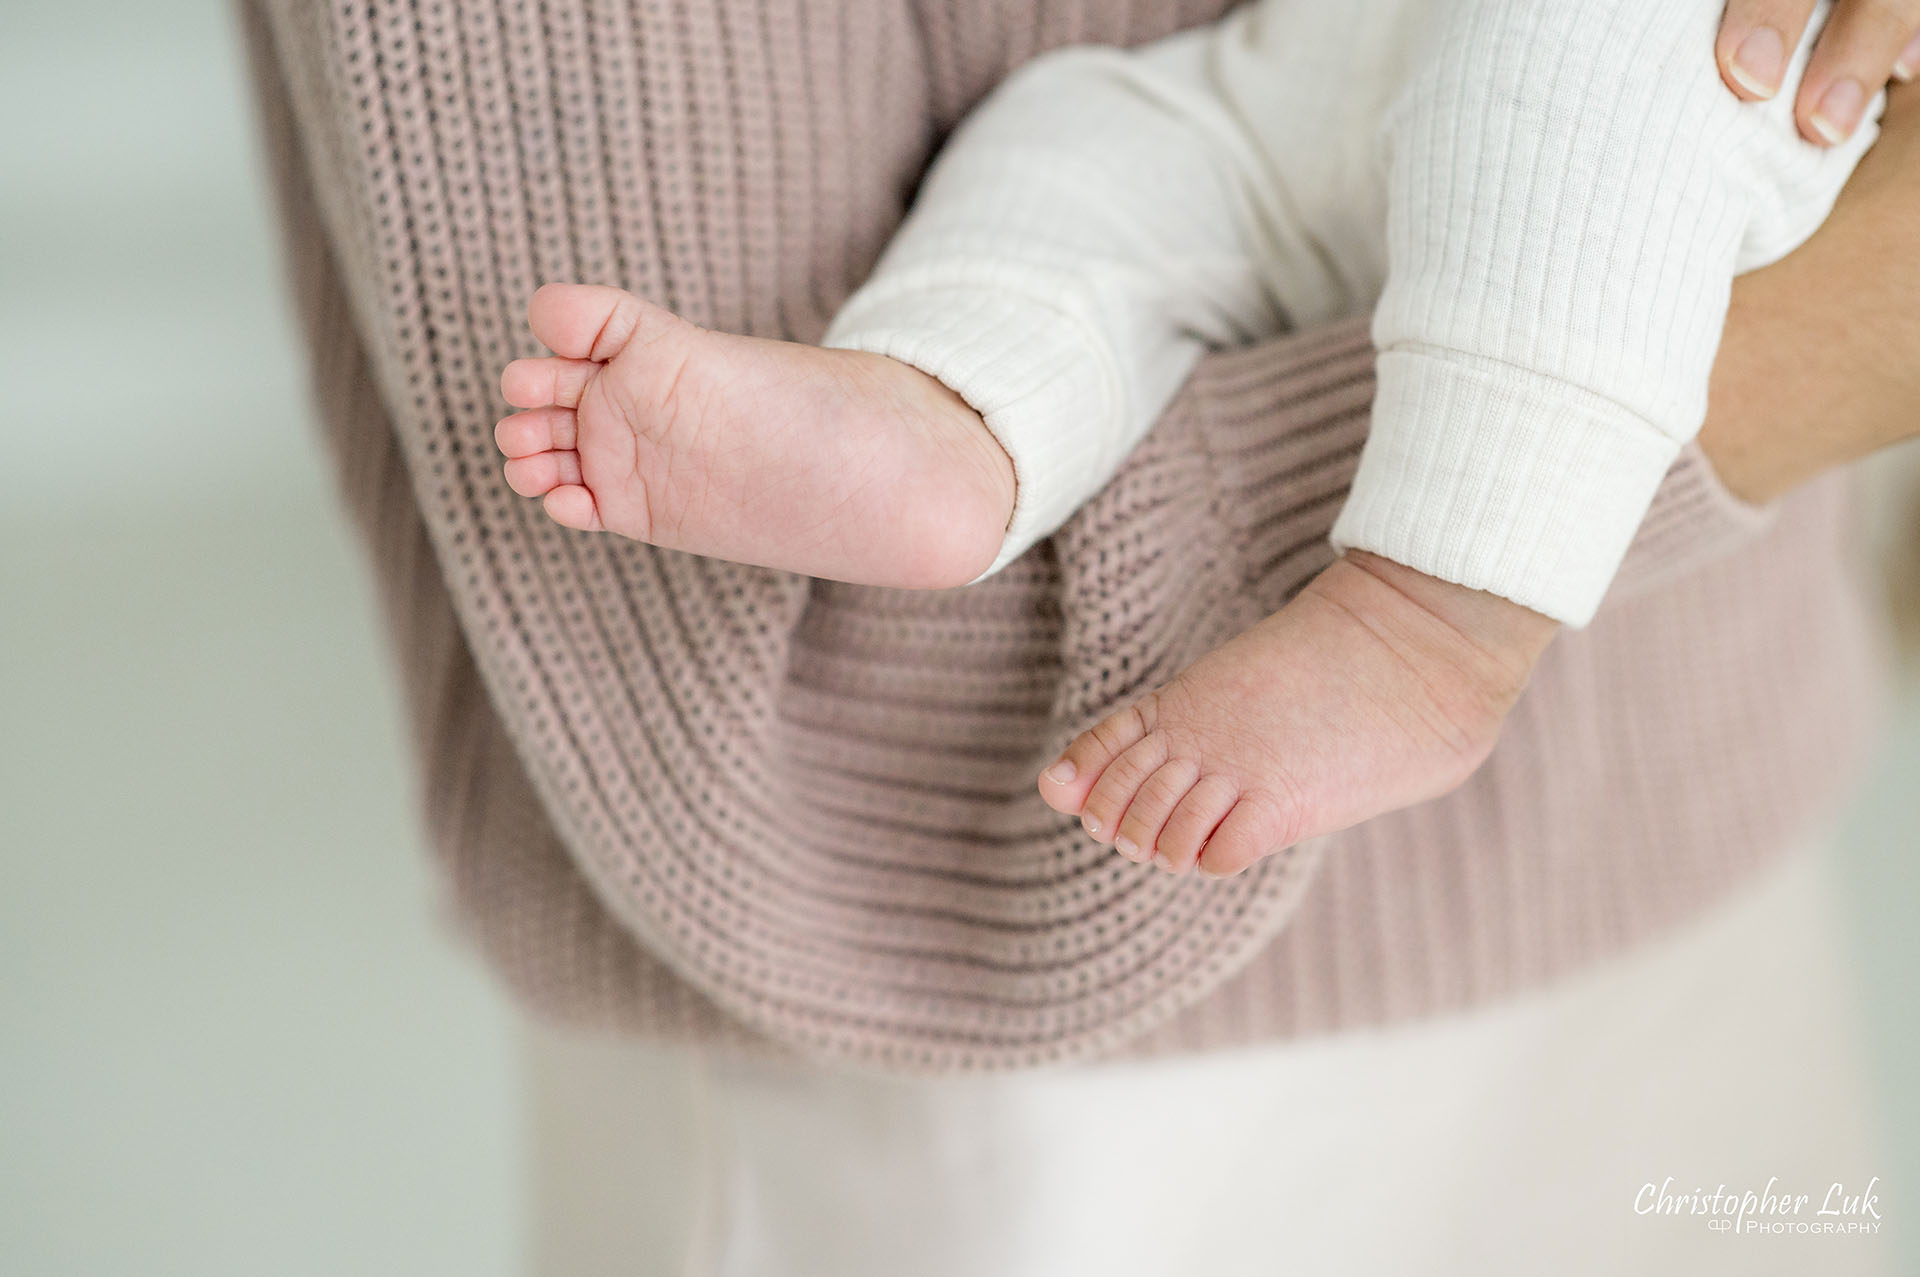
[1571, 191]
[1075, 249]
[1555, 194]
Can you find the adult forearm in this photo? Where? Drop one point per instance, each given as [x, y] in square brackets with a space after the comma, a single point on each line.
[1820, 363]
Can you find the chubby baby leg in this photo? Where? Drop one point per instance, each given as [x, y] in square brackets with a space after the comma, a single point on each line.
[833, 463]
[1375, 688]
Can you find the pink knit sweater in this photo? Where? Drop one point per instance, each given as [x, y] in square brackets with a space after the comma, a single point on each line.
[698, 801]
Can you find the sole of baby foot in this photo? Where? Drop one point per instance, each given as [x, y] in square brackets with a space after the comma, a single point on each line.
[1375, 688]
[832, 463]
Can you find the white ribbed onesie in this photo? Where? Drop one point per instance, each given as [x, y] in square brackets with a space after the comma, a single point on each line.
[1547, 200]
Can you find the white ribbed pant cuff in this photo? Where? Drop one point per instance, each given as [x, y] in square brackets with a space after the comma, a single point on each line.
[1503, 480]
[1013, 348]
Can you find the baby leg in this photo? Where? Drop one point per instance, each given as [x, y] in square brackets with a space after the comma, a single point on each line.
[1040, 306]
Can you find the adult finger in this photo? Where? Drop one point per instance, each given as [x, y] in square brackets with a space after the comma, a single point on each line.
[1856, 54]
[1756, 39]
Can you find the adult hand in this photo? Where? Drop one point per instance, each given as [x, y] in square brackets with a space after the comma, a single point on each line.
[1820, 361]
[1864, 43]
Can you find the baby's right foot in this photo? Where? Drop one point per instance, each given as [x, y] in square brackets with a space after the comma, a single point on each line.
[831, 463]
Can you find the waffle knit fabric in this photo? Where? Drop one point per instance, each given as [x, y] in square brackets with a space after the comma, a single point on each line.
[702, 802]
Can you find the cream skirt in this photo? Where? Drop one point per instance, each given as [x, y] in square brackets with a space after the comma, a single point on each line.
[1585, 1130]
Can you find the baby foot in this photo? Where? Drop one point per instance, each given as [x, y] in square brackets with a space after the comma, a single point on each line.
[832, 463]
[1375, 688]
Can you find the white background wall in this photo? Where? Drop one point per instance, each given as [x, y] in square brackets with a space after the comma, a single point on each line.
[234, 1037]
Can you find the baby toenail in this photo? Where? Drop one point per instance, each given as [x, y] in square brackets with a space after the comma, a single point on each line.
[1160, 858]
[1092, 825]
[1061, 772]
[1127, 847]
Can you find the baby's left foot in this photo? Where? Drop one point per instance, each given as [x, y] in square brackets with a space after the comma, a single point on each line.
[1376, 688]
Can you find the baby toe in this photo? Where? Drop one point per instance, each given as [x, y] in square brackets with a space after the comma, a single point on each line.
[1252, 831]
[594, 321]
[583, 321]
[542, 472]
[1139, 830]
[572, 506]
[536, 383]
[1119, 781]
[536, 430]
[1065, 785]
[1199, 813]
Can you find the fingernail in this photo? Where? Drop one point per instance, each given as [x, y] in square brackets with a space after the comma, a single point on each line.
[1061, 772]
[1839, 110]
[1128, 848]
[1908, 64]
[1759, 62]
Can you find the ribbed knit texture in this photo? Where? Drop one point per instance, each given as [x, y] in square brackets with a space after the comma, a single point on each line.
[1556, 197]
[1572, 192]
[703, 802]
